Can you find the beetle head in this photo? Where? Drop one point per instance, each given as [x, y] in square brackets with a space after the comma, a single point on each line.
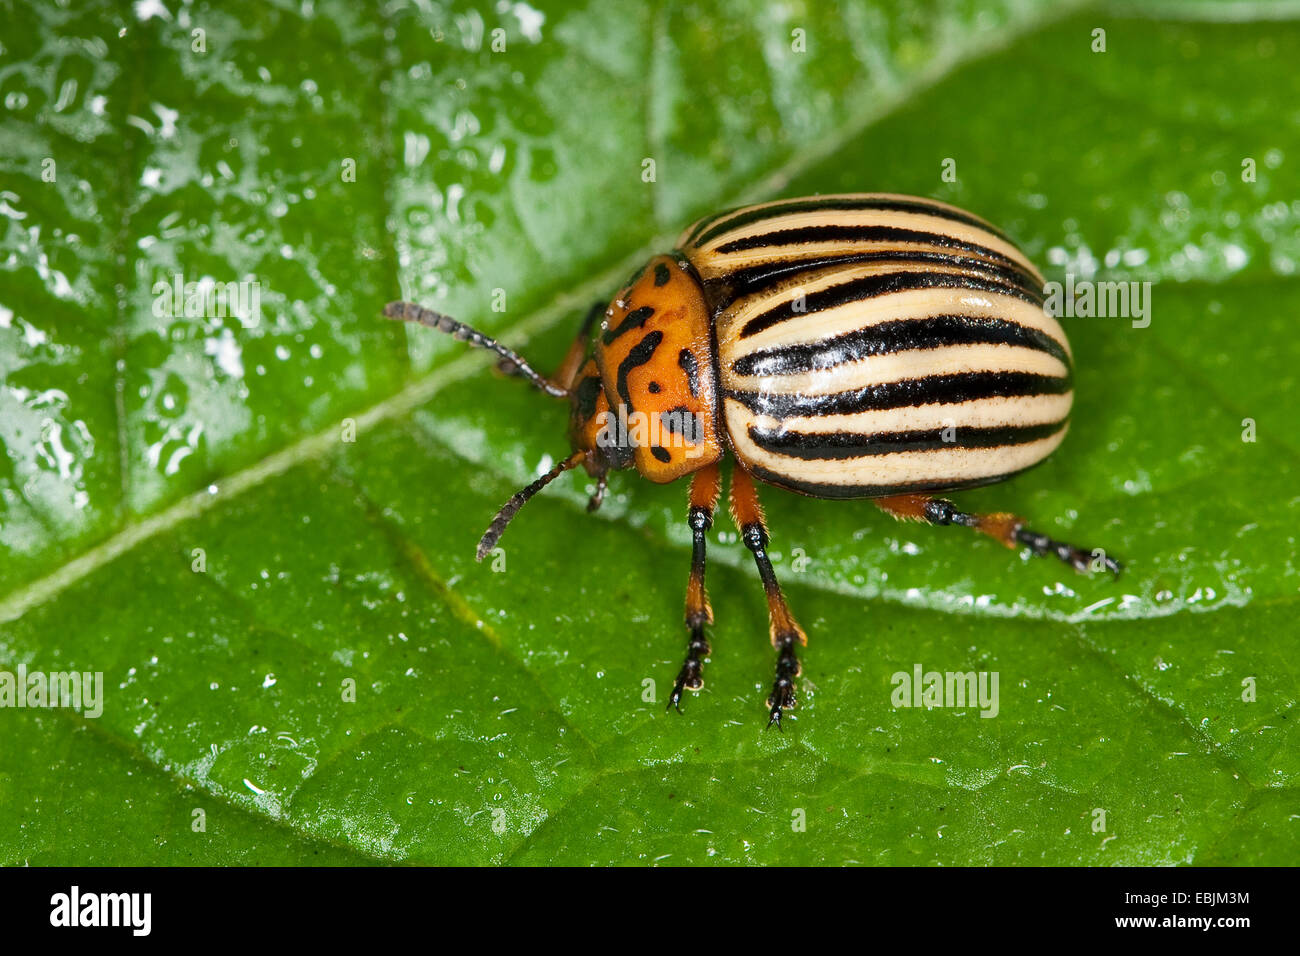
[652, 354]
[643, 395]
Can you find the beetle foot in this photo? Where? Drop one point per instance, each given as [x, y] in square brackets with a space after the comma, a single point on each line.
[598, 497]
[782, 697]
[689, 677]
[1082, 560]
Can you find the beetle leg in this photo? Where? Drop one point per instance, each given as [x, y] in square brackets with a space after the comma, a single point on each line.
[598, 498]
[704, 497]
[1007, 528]
[747, 512]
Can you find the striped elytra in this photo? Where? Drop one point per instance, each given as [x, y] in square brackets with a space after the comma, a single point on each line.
[870, 345]
[841, 346]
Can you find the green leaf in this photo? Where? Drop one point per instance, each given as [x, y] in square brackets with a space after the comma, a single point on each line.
[182, 507]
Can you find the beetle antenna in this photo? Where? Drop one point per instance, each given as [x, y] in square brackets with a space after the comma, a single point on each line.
[410, 312]
[520, 498]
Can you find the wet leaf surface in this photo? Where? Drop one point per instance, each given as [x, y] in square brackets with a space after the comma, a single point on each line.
[341, 683]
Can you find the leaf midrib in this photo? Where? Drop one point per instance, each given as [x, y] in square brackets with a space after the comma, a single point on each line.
[35, 593]
[418, 392]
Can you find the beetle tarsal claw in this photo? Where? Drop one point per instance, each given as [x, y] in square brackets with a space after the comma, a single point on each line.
[689, 677]
[598, 498]
[782, 697]
[774, 717]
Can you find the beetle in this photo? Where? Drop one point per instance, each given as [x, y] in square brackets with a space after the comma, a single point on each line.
[865, 345]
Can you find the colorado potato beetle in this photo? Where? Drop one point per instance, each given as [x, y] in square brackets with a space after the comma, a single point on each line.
[840, 346]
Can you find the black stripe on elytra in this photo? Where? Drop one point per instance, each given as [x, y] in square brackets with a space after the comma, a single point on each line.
[930, 390]
[745, 217]
[816, 489]
[889, 237]
[837, 445]
[868, 287]
[704, 223]
[686, 359]
[904, 335]
[641, 353]
[661, 274]
[755, 279]
[633, 320]
[841, 233]
[586, 395]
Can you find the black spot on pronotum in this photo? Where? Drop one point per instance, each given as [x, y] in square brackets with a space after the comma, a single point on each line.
[641, 353]
[633, 320]
[686, 359]
[682, 421]
[635, 277]
[586, 395]
[661, 274]
[661, 454]
[655, 388]
[593, 314]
